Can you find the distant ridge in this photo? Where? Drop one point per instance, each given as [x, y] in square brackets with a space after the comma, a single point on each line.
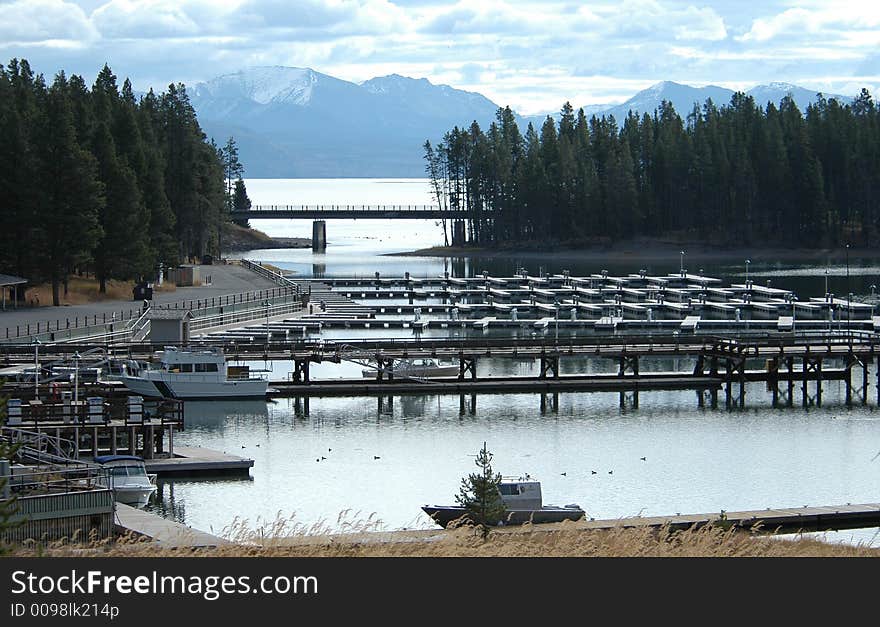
[299, 123]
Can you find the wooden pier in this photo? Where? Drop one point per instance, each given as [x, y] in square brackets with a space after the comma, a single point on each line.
[166, 533]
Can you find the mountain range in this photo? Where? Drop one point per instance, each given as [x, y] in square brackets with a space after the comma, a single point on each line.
[299, 123]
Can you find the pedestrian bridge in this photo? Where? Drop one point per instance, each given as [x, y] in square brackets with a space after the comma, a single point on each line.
[329, 212]
[321, 213]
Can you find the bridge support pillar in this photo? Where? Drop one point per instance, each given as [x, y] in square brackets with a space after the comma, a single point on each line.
[319, 236]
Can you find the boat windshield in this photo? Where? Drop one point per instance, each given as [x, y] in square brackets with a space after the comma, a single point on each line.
[128, 471]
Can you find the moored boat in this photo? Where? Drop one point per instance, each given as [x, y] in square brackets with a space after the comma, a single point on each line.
[415, 368]
[523, 501]
[128, 478]
[193, 374]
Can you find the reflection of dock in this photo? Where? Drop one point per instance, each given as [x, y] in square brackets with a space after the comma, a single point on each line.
[189, 460]
[161, 530]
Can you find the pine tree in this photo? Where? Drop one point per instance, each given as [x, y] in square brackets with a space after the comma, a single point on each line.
[71, 195]
[240, 201]
[233, 170]
[480, 494]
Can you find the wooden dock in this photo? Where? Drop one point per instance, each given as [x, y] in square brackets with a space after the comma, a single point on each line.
[189, 460]
[167, 533]
[783, 520]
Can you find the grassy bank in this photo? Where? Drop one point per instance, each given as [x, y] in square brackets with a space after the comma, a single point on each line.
[238, 238]
[562, 541]
[83, 290]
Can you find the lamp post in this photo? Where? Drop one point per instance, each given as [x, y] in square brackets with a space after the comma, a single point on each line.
[557, 320]
[848, 289]
[267, 303]
[36, 368]
[76, 358]
[748, 261]
[681, 262]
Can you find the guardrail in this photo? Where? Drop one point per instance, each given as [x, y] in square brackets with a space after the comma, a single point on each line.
[268, 273]
[232, 316]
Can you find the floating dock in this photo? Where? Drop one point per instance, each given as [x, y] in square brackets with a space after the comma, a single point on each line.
[194, 459]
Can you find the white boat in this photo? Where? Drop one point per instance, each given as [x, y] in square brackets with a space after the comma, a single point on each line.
[415, 368]
[524, 503]
[128, 478]
[193, 374]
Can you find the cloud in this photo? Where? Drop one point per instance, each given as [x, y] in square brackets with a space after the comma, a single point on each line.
[694, 23]
[799, 22]
[29, 21]
[122, 19]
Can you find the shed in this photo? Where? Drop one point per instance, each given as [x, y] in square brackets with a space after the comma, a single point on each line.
[169, 325]
[13, 288]
[185, 275]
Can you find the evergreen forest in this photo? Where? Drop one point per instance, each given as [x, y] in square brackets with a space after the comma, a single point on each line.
[740, 174]
[98, 180]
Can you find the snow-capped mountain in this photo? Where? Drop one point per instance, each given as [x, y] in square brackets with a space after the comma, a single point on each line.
[296, 122]
[683, 98]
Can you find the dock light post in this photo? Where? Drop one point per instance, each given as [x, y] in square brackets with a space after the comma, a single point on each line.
[76, 358]
[826, 283]
[848, 289]
[681, 262]
[266, 303]
[748, 261]
[557, 321]
[36, 343]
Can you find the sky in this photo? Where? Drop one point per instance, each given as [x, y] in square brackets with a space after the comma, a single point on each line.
[531, 55]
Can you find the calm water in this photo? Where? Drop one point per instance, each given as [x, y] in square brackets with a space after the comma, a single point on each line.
[367, 458]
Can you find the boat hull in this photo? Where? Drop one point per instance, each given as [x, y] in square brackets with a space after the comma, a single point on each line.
[192, 390]
[443, 515]
[136, 496]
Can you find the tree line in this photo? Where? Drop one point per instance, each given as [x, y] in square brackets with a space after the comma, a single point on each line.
[98, 180]
[738, 174]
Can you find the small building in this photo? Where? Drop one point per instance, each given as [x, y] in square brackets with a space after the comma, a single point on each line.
[169, 326]
[12, 288]
[185, 275]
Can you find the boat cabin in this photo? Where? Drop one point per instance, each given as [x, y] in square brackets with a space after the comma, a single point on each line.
[521, 492]
[202, 361]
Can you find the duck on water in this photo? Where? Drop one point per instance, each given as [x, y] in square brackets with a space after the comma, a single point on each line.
[523, 501]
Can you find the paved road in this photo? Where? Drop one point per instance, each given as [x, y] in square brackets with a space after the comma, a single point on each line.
[225, 279]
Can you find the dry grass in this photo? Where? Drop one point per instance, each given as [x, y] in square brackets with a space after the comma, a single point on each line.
[353, 537]
[82, 290]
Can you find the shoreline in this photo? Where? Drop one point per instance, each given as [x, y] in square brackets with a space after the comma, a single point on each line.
[275, 243]
[647, 251]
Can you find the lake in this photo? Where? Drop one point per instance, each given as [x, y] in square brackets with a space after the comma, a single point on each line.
[368, 459]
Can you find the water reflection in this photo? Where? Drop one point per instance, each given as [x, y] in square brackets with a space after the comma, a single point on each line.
[391, 455]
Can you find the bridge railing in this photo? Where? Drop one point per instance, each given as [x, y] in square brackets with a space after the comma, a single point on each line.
[364, 208]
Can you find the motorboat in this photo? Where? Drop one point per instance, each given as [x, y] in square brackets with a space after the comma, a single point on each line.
[415, 368]
[127, 476]
[199, 373]
[524, 503]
